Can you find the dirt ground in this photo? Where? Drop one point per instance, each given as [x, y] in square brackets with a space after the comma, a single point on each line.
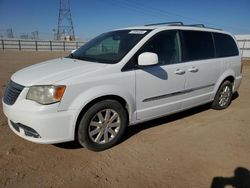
[200, 147]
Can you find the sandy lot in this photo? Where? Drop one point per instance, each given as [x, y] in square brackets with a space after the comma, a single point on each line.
[200, 147]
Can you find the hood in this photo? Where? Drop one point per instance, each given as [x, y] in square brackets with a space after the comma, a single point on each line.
[52, 71]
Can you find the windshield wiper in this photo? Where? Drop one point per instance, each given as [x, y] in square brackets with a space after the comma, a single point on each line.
[71, 55]
[83, 58]
[89, 59]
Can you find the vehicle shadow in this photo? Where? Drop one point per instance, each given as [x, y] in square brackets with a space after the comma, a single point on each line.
[132, 130]
[156, 71]
[69, 145]
[241, 179]
[135, 129]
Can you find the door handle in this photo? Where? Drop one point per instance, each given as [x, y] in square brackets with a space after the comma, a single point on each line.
[193, 69]
[179, 72]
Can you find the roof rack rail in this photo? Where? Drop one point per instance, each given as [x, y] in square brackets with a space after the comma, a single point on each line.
[166, 23]
[181, 24]
[214, 28]
[197, 25]
[202, 25]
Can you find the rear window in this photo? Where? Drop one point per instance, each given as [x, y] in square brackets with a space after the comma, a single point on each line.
[198, 45]
[225, 45]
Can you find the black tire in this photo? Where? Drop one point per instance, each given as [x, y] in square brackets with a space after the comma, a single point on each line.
[216, 103]
[84, 130]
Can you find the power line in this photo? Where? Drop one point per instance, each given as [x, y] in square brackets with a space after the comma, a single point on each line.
[176, 15]
[146, 10]
[117, 4]
[160, 13]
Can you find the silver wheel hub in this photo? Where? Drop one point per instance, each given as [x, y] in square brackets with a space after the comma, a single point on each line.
[224, 96]
[104, 126]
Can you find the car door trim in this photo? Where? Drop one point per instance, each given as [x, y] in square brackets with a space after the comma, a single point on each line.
[175, 93]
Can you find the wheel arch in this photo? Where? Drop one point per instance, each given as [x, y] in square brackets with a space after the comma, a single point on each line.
[117, 98]
[229, 78]
[229, 75]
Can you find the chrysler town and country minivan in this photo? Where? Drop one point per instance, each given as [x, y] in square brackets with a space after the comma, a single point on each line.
[121, 78]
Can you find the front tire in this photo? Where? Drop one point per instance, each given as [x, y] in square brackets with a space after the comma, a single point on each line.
[103, 125]
[223, 96]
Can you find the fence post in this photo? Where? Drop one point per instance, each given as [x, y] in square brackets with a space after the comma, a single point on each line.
[36, 45]
[50, 43]
[3, 44]
[243, 48]
[64, 45]
[19, 44]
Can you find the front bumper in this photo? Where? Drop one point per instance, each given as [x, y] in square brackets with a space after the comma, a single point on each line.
[26, 118]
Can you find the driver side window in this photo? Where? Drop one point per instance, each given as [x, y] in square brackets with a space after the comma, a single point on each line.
[166, 45]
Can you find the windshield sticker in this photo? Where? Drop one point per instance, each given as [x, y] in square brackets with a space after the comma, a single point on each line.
[139, 32]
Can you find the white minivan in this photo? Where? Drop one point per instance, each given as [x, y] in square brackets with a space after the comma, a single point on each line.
[121, 78]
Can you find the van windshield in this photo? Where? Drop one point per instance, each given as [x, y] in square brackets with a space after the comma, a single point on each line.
[109, 47]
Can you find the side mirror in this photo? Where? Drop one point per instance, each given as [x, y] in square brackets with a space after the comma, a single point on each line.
[73, 51]
[147, 58]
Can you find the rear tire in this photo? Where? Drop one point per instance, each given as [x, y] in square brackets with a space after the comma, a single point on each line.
[223, 96]
[103, 125]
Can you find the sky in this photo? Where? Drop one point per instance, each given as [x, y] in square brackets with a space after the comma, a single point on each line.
[93, 17]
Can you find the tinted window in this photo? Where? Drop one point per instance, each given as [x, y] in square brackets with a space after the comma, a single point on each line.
[198, 45]
[166, 46]
[225, 45]
[109, 47]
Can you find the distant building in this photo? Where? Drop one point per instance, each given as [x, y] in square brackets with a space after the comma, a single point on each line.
[24, 36]
[34, 35]
[9, 33]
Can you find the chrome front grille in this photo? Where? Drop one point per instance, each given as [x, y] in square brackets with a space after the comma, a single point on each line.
[12, 92]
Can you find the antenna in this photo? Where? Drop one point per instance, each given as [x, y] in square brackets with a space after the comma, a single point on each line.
[65, 29]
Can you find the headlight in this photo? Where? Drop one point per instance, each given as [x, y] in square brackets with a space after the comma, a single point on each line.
[45, 94]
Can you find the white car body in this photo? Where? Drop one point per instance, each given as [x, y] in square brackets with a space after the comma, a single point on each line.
[176, 87]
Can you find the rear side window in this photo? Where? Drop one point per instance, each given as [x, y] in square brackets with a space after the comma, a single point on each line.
[225, 45]
[197, 45]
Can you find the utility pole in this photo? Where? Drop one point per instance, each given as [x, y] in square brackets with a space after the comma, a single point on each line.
[65, 29]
